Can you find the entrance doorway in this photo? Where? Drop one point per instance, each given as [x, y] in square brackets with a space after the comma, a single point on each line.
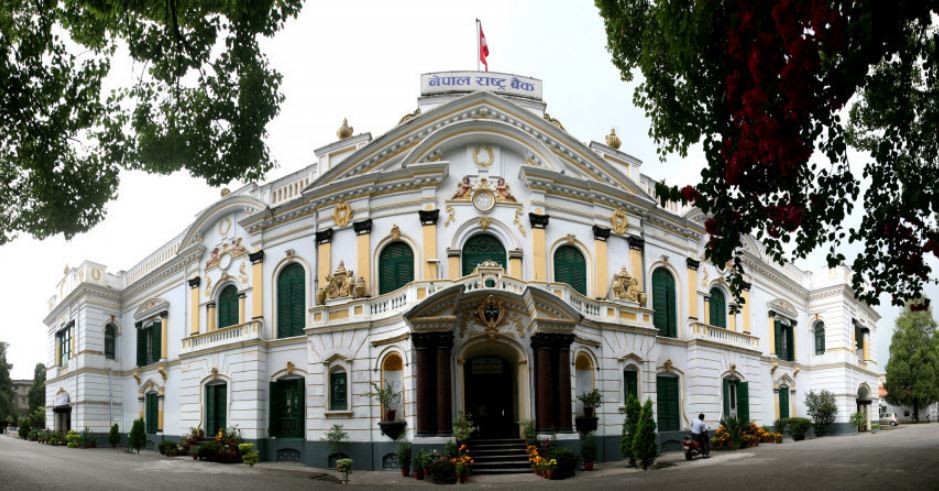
[490, 396]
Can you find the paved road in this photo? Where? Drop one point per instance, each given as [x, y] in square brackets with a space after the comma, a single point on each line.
[903, 458]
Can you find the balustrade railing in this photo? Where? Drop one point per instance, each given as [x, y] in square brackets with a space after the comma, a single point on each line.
[700, 330]
[239, 332]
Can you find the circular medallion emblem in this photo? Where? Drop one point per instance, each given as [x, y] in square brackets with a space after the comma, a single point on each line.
[483, 156]
[484, 200]
[224, 261]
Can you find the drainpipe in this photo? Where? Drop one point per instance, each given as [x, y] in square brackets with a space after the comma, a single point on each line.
[110, 400]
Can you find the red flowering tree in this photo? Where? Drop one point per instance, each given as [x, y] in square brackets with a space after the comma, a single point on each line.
[764, 86]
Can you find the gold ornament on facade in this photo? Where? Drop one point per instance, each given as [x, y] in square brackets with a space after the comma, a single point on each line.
[224, 192]
[466, 190]
[243, 272]
[232, 248]
[619, 221]
[490, 314]
[136, 376]
[450, 216]
[208, 285]
[485, 222]
[518, 222]
[342, 214]
[626, 287]
[570, 239]
[612, 140]
[553, 121]
[344, 131]
[668, 365]
[341, 284]
[214, 373]
[409, 116]
[395, 232]
[490, 156]
[290, 368]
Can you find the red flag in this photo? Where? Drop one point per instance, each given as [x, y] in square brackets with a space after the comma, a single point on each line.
[483, 47]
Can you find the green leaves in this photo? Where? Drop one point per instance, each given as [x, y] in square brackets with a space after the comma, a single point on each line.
[202, 99]
[913, 370]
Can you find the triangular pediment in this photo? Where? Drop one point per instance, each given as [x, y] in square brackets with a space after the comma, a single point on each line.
[483, 119]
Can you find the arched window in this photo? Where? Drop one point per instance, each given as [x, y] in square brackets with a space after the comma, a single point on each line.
[480, 248]
[820, 338]
[291, 299]
[630, 383]
[228, 307]
[338, 389]
[392, 377]
[718, 311]
[287, 404]
[215, 407]
[583, 378]
[737, 399]
[110, 338]
[667, 402]
[571, 268]
[395, 267]
[783, 402]
[663, 302]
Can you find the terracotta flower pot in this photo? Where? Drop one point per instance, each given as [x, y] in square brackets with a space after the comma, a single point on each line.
[405, 471]
[588, 411]
[462, 478]
[549, 474]
[390, 414]
[588, 465]
[419, 474]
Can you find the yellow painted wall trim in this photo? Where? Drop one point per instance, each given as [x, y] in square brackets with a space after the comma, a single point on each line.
[429, 251]
[453, 267]
[746, 311]
[164, 323]
[602, 272]
[692, 293]
[242, 303]
[194, 309]
[771, 337]
[539, 256]
[257, 290]
[635, 260]
[323, 261]
[363, 256]
[210, 316]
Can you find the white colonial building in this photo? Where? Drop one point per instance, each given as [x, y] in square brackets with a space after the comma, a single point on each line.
[476, 256]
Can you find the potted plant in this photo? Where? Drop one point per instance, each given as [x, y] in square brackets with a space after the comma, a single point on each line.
[591, 401]
[551, 467]
[387, 397]
[421, 461]
[859, 420]
[404, 458]
[463, 427]
[588, 450]
[344, 466]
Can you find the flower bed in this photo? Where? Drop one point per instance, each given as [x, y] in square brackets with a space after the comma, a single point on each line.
[751, 436]
[551, 461]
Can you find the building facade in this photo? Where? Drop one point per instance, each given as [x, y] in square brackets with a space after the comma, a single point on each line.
[478, 259]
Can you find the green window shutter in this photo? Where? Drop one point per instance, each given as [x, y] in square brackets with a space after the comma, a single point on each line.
[156, 332]
[141, 347]
[718, 308]
[210, 423]
[663, 303]
[570, 267]
[480, 248]
[783, 401]
[228, 307]
[291, 299]
[294, 408]
[726, 397]
[820, 339]
[109, 333]
[790, 349]
[337, 391]
[152, 413]
[395, 267]
[220, 405]
[743, 402]
[777, 336]
[630, 384]
[667, 404]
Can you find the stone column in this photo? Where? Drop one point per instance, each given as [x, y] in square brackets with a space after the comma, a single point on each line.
[602, 271]
[636, 248]
[424, 370]
[164, 324]
[693, 266]
[257, 284]
[210, 316]
[444, 394]
[194, 305]
[363, 250]
[866, 339]
[242, 301]
[745, 312]
[539, 245]
[564, 386]
[429, 250]
[544, 406]
[324, 239]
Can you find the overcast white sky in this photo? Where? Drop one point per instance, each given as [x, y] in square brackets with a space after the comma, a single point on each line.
[359, 60]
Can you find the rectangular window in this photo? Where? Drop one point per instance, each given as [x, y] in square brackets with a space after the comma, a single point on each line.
[64, 344]
[148, 343]
[337, 391]
[630, 384]
[667, 407]
[287, 408]
[109, 333]
[151, 417]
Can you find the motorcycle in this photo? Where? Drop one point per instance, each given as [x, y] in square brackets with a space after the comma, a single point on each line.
[693, 448]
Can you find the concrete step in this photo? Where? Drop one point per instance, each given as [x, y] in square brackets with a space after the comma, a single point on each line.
[500, 458]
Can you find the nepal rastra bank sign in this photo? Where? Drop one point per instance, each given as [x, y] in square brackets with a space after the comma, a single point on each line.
[500, 83]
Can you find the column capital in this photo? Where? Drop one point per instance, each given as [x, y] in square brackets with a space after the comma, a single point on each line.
[242, 295]
[362, 227]
[429, 217]
[195, 282]
[636, 242]
[164, 314]
[324, 236]
[745, 287]
[693, 264]
[601, 233]
[256, 257]
[548, 341]
[538, 221]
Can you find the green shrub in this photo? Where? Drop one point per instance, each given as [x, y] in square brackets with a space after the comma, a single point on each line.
[114, 437]
[33, 435]
[443, 471]
[588, 447]
[249, 454]
[208, 450]
[822, 408]
[404, 454]
[645, 446]
[24, 428]
[567, 461]
[335, 436]
[591, 399]
[463, 427]
[37, 418]
[88, 439]
[859, 421]
[137, 438]
[73, 439]
[782, 425]
[798, 427]
[529, 432]
[734, 429]
[423, 459]
[633, 409]
[168, 448]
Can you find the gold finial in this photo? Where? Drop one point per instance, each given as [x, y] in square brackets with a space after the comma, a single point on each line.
[345, 131]
[225, 192]
[612, 140]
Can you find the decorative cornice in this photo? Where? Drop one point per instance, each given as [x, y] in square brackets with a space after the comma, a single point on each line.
[429, 217]
[362, 227]
[601, 233]
[538, 221]
[324, 236]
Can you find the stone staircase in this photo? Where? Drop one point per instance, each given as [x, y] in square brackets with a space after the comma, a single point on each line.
[499, 456]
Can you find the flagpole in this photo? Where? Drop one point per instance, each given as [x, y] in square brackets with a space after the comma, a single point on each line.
[477, 45]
